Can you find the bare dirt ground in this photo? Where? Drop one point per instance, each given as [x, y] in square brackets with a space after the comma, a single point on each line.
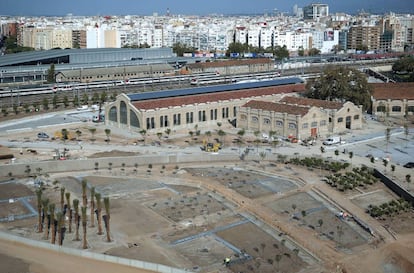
[267, 217]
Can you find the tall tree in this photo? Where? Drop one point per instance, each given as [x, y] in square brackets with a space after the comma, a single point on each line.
[59, 218]
[84, 196]
[387, 137]
[92, 206]
[39, 210]
[51, 74]
[45, 208]
[76, 208]
[52, 222]
[84, 223]
[99, 212]
[339, 83]
[62, 198]
[69, 210]
[107, 218]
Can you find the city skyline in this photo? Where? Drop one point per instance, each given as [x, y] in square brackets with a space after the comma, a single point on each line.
[187, 7]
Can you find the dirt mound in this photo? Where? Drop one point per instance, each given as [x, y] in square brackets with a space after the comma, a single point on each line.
[114, 153]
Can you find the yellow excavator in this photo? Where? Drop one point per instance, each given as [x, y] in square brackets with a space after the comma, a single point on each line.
[210, 147]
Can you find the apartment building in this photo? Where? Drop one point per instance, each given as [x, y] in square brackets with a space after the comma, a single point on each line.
[361, 36]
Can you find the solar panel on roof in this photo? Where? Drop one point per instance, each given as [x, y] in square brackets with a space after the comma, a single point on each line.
[213, 89]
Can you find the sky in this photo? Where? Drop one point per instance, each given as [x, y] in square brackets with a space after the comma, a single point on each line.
[190, 7]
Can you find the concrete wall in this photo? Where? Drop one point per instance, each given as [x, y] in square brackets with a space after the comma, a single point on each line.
[91, 255]
[397, 189]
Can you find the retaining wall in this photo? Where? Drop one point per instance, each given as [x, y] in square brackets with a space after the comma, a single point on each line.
[91, 255]
[397, 189]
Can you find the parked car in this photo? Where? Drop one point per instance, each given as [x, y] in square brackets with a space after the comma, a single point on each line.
[409, 165]
[42, 135]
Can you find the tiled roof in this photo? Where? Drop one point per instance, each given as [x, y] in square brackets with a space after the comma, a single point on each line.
[312, 102]
[393, 91]
[278, 107]
[214, 97]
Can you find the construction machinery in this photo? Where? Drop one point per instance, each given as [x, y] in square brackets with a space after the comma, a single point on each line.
[210, 147]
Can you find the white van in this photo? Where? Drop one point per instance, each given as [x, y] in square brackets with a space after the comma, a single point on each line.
[332, 140]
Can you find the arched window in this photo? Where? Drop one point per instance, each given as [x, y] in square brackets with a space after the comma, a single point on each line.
[340, 119]
[123, 113]
[279, 123]
[396, 108]
[410, 108]
[356, 117]
[243, 117]
[381, 108]
[113, 115]
[266, 121]
[292, 125]
[314, 124]
[255, 119]
[305, 126]
[134, 119]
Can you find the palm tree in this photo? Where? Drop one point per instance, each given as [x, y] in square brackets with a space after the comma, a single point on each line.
[336, 153]
[107, 133]
[92, 207]
[143, 133]
[208, 135]
[320, 223]
[167, 132]
[62, 198]
[76, 208]
[241, 133]
[84, 196]
[99, 212]
[278, 257]
[221, 133]
[107, 218]
[52, 222]
[387, 137]
[39, 210]
[65, 134]
[69, 209]
[59, 217]
[92, 131]
[45, 207]
[84, 222]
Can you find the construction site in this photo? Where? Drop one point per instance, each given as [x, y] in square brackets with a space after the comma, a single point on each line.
[211, 211]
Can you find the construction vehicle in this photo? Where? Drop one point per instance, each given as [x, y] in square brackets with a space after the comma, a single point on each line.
[210, 147]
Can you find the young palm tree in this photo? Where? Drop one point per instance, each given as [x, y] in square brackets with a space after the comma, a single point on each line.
[39, 210]
[107, 133]
[84, 197]
[92, 207]
[84, 222]
[99, 212]
[107, 217]
[76, 208]
[69, 211]
[45, 207]
[52, 222]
